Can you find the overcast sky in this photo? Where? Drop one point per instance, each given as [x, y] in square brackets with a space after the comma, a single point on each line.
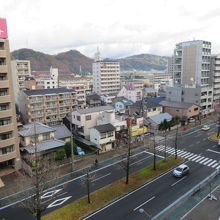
[118, 27]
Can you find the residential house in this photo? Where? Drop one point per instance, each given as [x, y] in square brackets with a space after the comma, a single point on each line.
[121, 104]
[93, 100]
[181, 109]
[103, 136]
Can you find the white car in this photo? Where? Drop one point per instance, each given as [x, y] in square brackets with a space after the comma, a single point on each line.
[181, 170]
[205, 128]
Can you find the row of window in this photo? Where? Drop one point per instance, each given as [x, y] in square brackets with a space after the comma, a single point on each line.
[3, 76]
[6, 150]
[5, 136]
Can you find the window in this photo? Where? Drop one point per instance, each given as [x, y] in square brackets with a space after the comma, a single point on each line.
[103, 135]
[6, 150]
[110, 134]
[5, 136]
[196, 109]
[78, 118]
[3, 92]
[3, 76]
[46, 136]
[88, 117]
[154, 109]
[5, 121]
[177, 110]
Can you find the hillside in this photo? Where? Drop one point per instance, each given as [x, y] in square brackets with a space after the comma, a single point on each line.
[71, 61]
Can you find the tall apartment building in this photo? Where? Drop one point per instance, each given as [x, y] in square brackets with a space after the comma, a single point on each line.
[20, 70]
[9, 147]
[192, 63]
[215, 70]
[48, 106]
[106, 76]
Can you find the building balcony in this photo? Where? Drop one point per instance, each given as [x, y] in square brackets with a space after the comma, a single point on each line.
[5, 99]
[9, 156]
[7, 142]
[35, 100]
[6, 113]
[64, 97]
[50, 99]
[3, 53]
[4, 84]
[50, 106]
[5, 128]
[3, 68]
[37, 115]
[51, 113]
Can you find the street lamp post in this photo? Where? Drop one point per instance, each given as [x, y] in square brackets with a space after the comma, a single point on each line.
[141, 210]
[176, 142]
[154, 151]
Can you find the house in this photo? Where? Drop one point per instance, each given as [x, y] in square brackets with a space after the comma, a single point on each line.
[108, 98]
[93, 100]
[39, 138]
[62, 133]
[121, 104]
[181, 109]
[85, 119]
[130, 92]
[150, 92]
[103, 136]
[154, 121]
[145, 108]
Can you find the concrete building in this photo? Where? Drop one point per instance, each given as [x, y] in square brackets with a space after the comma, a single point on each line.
[93, 100]
[103, 136]
[85, 119]
[48, 106]
[192, 63]
[181, 109]
[201, 96]
[215, 71]
[51, 81]
[129, 92]
[9, 144]
[20, 70]
[106, 76]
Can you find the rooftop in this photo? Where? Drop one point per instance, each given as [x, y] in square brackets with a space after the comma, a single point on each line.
[95, 109]
[34, 128]
[182, 105]
[47, 91]
[105, 128]
[160, 118]
[61, 131]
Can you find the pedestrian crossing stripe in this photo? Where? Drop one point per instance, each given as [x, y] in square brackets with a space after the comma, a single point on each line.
[191, 156]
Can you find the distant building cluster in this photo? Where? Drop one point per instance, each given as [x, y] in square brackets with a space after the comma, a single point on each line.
[45, 110]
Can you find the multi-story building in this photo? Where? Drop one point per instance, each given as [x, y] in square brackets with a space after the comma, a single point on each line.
[215, 70]
[48, 106]
[106, 76]
[9, 145]
[192, 63]
[130, 92]
[49, 82]
[20, 70]
[201, 96]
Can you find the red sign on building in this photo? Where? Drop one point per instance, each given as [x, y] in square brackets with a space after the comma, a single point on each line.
[3, 28]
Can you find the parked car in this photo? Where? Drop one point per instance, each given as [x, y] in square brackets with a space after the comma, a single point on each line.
[79, 151]
[181, 170]
[205, 128]
[192, 120]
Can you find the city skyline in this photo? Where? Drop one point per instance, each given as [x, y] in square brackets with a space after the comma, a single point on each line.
[118, 28]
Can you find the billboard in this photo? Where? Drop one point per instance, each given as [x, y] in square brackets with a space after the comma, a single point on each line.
[3, 28]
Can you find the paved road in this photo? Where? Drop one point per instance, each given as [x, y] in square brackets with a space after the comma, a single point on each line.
[75, 189]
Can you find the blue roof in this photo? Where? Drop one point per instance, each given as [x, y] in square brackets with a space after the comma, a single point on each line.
[160, 118]
[156, 99]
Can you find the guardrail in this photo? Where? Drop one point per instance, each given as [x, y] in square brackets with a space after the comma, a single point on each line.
[195, 189]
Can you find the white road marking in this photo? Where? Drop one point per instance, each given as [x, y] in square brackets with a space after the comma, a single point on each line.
[189, 155]
[208, 161]
[144, 203]
[183, 155]
[195, 155]
[59, 202]
[217, 168]
[203, 160]
[204, 139]
[215, 165]
[213, 146]
[196, 158]
[178, 181]
[141, 160]
[199, 159]
[213, 151]
[211, 163]
[101, 177]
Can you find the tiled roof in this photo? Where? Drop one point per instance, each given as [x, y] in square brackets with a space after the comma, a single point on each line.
[183, 105]
[105, 128]
[61, 131]
[93, 97]
[43, 146]
[34, 128]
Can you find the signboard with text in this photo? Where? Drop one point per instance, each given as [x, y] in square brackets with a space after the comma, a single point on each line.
[3, 28]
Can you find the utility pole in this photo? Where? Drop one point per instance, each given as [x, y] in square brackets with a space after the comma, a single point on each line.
[154, 151]
[176, 142]
[71, 144]
[129, 122]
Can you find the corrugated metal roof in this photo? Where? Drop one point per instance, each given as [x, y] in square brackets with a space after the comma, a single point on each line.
[183, 105]
[95, 109]
[47, 91]
[161, 117]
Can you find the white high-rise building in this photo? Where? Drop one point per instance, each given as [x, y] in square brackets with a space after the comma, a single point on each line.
[106, 76]
[192, 63]
[215, 70]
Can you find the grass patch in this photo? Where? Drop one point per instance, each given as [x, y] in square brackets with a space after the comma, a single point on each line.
[105, 195]
[214, 137]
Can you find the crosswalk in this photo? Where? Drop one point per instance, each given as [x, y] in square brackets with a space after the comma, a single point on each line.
[191, 156]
